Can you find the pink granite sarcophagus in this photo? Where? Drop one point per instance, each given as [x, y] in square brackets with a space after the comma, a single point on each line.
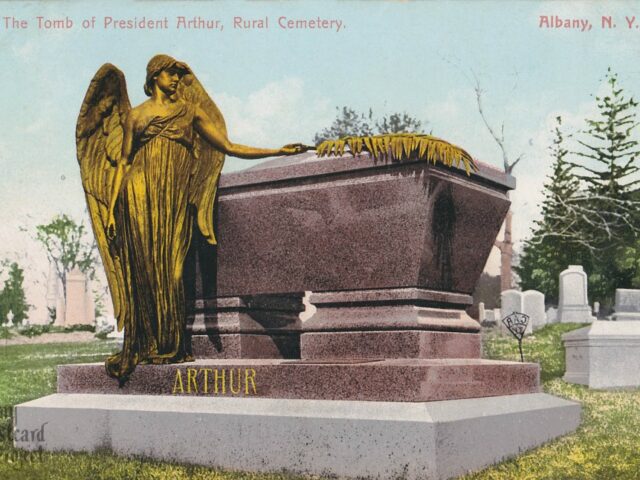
[389, 250]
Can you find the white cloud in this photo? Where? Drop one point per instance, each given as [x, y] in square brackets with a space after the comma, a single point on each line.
[279, 113]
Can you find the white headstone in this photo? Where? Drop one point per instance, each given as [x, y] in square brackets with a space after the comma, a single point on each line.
[489, 316]
[481, 312]
[552, 315]
[627, 304]
[497, 316]
[533, 305]
[512, 301]
[76, 304]
[596, 309]
[574, 304]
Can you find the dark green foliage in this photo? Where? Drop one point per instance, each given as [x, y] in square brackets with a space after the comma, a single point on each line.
[557, 239]
[35, 330]
[12, 296]
[102, 335]
[348, 123]
[398, 123]
[75, 328]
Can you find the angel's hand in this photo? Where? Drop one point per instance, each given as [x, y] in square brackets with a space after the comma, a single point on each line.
[294, 149]
[111, 226]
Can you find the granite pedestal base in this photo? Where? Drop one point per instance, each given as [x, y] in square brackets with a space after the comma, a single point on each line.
[389, 323]
[398, 380]
[246, 345]
[258, 326]
[390, 344]
[343, 439]
[390, 309]
[605, 354]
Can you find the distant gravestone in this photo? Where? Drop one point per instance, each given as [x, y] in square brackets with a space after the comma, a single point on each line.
[574, 304]
[552, 315]
[627, 304]
[489, 319]
[533, 306]
[512, 302]
[76, 304]
[481, 312]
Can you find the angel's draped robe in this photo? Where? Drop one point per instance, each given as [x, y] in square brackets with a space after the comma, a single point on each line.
[156, 228]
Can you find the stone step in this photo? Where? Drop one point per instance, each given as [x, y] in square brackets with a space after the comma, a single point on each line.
[336, 439]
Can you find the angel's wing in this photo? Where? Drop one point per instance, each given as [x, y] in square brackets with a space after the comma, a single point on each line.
[99, 135]
[207, 160]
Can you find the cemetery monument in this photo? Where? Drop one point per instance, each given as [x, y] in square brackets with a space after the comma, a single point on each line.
[606, 354]
[390, 242]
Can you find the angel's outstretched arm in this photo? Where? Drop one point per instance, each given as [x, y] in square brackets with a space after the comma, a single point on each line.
[205, 127]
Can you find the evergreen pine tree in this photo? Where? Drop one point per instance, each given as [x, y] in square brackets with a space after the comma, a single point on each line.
[12, 296]
[556, 240]
[609, 209]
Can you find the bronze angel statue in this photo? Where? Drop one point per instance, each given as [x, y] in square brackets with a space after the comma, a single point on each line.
[148, 172]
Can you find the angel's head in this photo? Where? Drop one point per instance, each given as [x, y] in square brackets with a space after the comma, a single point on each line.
[165, 72]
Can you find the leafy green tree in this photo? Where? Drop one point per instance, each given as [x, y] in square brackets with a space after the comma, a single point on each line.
[348, 122]
[398, 123]
[557, 238]
[12, 296]
[68, 245]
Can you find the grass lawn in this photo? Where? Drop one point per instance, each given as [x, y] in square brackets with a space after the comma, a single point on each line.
[607, 445]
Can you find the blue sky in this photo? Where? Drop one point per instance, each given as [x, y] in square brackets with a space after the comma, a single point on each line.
[278, 86]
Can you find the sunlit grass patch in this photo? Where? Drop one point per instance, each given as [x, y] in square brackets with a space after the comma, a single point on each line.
[605, 446]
